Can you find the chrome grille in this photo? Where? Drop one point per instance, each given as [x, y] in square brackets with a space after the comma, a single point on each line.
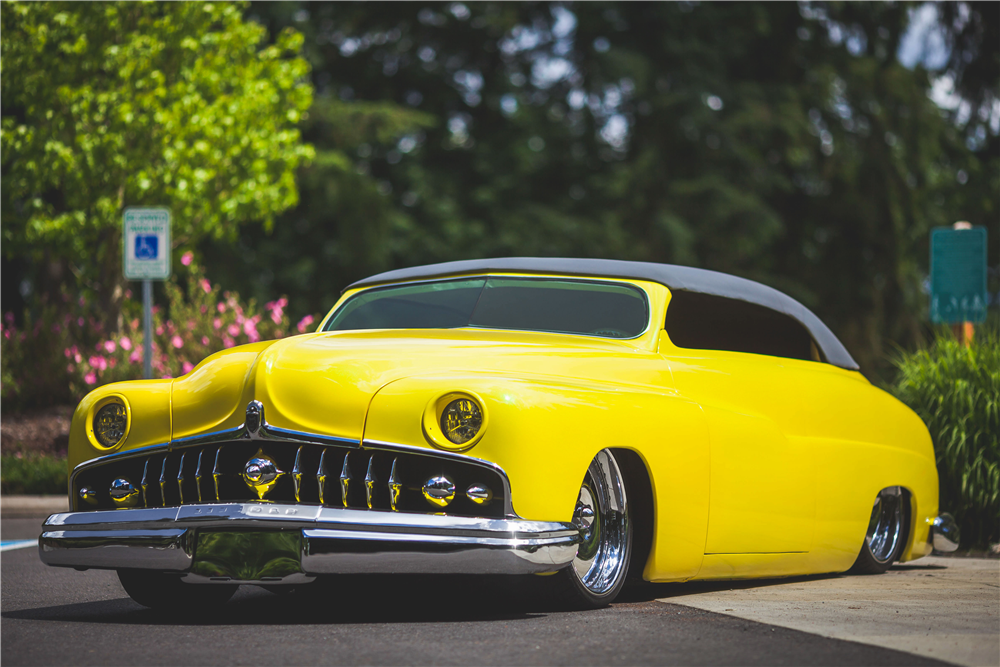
[314, 474]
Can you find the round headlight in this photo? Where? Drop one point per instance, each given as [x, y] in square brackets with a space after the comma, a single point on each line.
[461, 420]
[109, 424]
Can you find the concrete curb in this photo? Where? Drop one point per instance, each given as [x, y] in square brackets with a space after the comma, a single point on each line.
[30, 507]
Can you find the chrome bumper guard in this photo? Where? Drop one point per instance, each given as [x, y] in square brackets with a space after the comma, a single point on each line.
[324, 540]
[944, 533]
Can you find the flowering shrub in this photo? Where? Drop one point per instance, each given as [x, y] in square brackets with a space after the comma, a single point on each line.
[63, 354]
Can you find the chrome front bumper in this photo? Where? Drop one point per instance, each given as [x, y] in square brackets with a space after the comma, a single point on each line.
[328, 541]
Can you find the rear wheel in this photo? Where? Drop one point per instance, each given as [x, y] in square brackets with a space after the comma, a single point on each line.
[597, 574]
[166, 592]
[886, 534]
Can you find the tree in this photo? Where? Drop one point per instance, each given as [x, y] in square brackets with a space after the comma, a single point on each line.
[781, 142]
[109, 105]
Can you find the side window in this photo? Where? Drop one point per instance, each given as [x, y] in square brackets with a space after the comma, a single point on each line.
[707, 322]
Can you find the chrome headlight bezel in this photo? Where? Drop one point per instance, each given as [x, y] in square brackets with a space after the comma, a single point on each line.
[93, 428]
[435, 412]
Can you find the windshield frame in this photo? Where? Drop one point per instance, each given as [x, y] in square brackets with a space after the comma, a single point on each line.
[348, 296]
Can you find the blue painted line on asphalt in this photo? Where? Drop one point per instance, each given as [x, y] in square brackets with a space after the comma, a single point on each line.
[8, 545]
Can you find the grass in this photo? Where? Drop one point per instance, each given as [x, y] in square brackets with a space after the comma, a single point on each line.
[956, 391]
[33, 474]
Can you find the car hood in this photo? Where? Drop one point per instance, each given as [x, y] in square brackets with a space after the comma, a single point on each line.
[324, 382]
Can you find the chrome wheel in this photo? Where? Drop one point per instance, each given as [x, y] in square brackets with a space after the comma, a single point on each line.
[601, 513]
[885, 527]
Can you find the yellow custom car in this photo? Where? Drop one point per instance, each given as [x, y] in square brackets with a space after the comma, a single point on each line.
[597, 420]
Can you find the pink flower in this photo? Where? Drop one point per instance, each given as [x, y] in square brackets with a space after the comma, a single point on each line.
[100, 363]
[190, 325]
[90, 378]
[204, 310]
[205, 285]
[79, 321]
[68, 353]
[109, 346]
[204, 340]
[69, 368]
[9, 318]
[221, 307]
[227, 341]
[112, 362]
[126, 343]
[304, 323]
[186, 258]
[78, 358]
[134, 324]
[128, 294]
[159, 330]
[187, 367]
[6, 334]
[250, 329]
[217, 323]
[168, 376]
[177, 342]
[233, 330]
[56, 328]
[136, 356]
[82, 301]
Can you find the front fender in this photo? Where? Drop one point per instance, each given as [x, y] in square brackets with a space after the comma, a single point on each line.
[544, 432]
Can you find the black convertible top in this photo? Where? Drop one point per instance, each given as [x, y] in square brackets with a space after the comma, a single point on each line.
[674, 277]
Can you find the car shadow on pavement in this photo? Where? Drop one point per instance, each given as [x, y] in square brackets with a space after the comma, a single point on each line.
[340, 600]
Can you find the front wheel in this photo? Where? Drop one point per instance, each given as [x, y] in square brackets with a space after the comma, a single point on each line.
[886, 534]
[165, 592]
[597, 574]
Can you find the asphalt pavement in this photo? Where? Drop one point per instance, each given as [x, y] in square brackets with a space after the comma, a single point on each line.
[61, 616]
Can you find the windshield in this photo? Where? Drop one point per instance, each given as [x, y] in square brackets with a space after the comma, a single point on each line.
[609, 310]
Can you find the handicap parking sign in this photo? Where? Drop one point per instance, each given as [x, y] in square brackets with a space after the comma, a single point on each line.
[146, 246]
[146, 243]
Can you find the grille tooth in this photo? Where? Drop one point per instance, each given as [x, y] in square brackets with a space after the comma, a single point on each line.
[145, 484]
[395, 486]
[163, 482]
[297, 474]
[370, 482]
[197, 474]
[345, 479]
[217, 472]
[180, 478]
[321, 477]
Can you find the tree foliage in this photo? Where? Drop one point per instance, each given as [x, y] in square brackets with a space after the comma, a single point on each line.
[108, 105]
[781, 142]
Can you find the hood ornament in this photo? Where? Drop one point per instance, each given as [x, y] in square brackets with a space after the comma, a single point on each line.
[261, 473]
[254, 418]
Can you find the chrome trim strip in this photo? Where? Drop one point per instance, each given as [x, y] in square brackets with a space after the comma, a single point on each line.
[334, 539]
[508, 509]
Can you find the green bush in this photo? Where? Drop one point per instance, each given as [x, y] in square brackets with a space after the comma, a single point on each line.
[956, 391]
[33, 474]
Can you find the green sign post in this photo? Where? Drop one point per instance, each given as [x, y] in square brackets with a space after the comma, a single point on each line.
[958, 275]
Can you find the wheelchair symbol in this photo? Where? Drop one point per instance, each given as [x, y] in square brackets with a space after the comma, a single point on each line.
[146, 246]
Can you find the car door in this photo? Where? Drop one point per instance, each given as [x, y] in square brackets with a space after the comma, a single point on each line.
[762, 493]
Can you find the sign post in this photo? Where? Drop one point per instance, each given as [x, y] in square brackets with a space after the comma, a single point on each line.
[958, 277]
[146, 257]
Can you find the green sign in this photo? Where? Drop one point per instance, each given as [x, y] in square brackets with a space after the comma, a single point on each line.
[958, 275]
